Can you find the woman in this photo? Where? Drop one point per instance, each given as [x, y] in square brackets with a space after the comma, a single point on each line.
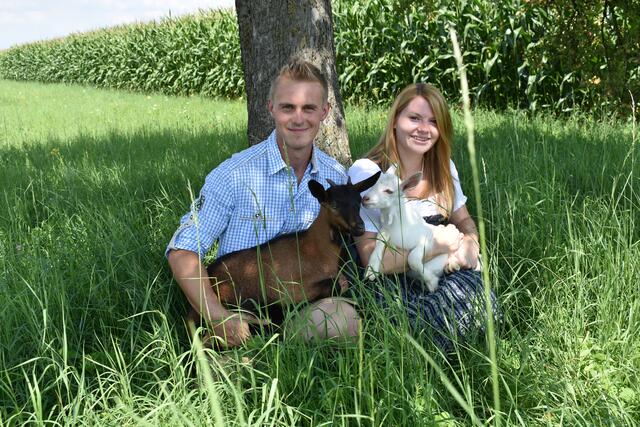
[418, 138]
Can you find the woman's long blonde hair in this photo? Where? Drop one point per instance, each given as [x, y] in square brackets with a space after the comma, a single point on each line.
[435, 167]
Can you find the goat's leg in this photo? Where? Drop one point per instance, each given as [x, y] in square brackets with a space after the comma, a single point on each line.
[430, 270]
[375, 260]
[434, 268]
[452, 265]
[414, 259]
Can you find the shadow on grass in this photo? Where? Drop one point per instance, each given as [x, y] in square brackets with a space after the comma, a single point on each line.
[87, 221]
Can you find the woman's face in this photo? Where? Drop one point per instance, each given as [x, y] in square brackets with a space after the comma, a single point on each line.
[416, 128]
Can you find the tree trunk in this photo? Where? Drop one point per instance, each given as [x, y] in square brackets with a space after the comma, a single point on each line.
[271, 33]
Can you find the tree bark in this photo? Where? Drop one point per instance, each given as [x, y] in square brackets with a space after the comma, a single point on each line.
[271, 33]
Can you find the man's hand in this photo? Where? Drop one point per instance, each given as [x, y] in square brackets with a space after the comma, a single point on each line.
[234, 330]
[231, 328]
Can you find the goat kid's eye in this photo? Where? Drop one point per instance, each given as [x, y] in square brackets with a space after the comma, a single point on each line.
[388, 191]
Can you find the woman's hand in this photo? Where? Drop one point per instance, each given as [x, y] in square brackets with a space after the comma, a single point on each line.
[446, 240]
[467, 254]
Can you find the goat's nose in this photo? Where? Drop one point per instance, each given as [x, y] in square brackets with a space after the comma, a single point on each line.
[365, 198]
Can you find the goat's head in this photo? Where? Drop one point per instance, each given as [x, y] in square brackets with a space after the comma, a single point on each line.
[343, 203]
[388, 190]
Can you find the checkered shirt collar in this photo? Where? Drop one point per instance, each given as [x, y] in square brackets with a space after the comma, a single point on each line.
[277, 163]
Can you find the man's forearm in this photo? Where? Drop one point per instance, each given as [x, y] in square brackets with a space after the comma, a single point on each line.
[194, 282]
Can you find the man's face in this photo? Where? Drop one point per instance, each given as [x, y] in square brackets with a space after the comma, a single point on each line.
[298, 108]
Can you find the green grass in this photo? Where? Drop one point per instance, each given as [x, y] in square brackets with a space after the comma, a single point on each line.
[93, 185]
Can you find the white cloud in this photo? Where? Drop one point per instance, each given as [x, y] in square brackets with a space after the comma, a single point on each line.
[28, 17]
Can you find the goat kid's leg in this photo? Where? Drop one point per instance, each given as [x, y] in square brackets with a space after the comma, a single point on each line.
[414, 259]
[435, 267]
[430, 270]
[452, 265]
[375, 260]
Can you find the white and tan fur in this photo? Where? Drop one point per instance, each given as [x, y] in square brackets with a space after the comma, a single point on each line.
[403, 228]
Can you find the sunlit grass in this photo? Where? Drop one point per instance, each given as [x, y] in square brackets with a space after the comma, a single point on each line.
[94, 182]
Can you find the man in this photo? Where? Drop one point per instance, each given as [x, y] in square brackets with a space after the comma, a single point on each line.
[258, 194]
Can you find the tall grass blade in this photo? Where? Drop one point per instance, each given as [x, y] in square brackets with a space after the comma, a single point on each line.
[469, 124]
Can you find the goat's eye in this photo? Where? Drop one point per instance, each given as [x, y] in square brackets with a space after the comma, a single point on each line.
[388, 191]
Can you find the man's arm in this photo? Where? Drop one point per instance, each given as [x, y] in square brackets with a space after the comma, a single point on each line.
[195, 284]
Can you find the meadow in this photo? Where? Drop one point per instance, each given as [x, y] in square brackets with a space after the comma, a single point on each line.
[94, 182]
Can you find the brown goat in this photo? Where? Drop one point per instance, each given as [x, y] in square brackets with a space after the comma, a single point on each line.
[296, 267]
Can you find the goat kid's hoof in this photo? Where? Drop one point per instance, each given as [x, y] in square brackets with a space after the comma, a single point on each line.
[451, 267]
[370, 275]
[432, 287]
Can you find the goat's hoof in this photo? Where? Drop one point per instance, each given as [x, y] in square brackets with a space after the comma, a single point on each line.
[432, 286]
[451, 267]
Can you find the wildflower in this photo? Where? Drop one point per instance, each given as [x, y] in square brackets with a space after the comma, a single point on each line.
[595, 80]
[55, 152]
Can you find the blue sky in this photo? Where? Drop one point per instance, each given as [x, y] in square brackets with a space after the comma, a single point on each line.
[23, 21]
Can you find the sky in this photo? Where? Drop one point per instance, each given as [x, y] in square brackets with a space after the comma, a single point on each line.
[24, 21]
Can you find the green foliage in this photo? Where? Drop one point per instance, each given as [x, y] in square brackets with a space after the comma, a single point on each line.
[537, 55]
[198, 54]
[94, 183]
[557, 56]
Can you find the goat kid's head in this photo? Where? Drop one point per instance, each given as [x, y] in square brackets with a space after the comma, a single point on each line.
[389, 190]
[343, 203]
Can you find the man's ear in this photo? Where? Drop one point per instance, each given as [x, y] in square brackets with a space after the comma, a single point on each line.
[326, 108]
[270, 107]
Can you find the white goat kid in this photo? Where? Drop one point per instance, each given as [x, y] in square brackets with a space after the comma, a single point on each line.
[402, 227]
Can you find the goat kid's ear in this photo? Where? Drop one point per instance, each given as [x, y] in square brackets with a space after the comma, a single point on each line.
[411, 182]
[367, 183]
[317, 191]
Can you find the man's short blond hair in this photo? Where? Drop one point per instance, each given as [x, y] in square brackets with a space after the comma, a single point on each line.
[300, 71]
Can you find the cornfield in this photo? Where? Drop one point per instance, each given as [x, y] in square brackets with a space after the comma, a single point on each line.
[536, 55]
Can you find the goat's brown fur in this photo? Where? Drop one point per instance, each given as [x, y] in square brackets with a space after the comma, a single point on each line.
[296, 267]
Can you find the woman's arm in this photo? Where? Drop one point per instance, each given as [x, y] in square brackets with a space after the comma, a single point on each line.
[467, 254]
[395, 260]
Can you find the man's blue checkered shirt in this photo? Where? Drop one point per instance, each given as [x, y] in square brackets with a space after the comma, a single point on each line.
[252, 198]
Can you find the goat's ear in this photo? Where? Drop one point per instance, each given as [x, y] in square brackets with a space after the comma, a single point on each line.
[367, 183]
[411, 182]
[317, 190]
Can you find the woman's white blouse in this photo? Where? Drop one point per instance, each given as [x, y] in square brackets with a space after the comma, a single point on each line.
[364, 168]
